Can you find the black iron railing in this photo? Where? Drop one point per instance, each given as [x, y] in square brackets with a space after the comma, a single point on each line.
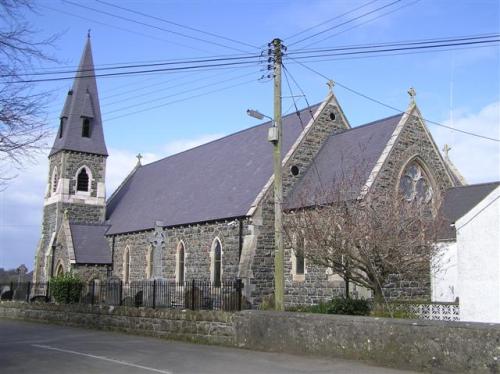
[158, 293]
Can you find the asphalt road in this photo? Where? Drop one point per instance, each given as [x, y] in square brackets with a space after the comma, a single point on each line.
[38, 348]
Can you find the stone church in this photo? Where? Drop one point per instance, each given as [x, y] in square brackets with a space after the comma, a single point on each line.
[207, 213]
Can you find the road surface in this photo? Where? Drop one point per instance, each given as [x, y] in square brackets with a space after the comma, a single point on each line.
[27, 347]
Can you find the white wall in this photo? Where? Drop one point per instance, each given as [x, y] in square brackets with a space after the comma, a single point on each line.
[478, 245]
[444, 273]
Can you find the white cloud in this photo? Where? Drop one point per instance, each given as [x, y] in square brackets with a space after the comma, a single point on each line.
[477, 159]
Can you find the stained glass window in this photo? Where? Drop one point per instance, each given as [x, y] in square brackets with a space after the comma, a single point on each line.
[414, 184]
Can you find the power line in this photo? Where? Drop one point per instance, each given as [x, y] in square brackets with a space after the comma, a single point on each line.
[178, 24]
[129, 66]
[179, 100]
[344, 23]
[330, 19]
[419, 47]
[124, 29]
[174, 69]
[392, 107]
[398, 43]
[152, 26]
[365, 22]
[179, 93]
[396, 54]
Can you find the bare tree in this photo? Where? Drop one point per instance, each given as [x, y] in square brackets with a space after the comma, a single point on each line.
[365, 241]
[21, 105]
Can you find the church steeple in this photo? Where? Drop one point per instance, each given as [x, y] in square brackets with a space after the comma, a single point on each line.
[81, 124]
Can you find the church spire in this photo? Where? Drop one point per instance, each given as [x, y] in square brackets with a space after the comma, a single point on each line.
[81, 124]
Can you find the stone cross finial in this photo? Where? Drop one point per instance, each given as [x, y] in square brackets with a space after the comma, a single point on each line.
[330, 85]
[139, 157]
[412, 94]
[446, 150]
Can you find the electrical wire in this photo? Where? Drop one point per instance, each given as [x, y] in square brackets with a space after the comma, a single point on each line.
[130, 66]
[343, 23]
[365, 22]
[179, 68]
[124, 29]
[396, 49]
[178, 24]
[179, 100]
[152, 26]
[330, 20]
[392, 107]
[179, 93]
[398, 43]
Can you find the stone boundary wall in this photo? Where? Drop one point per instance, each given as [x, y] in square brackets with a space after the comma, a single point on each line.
[208, 327]
[431, 346]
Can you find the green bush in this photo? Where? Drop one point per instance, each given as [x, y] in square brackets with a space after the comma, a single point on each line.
[66, 288]
[353, 307]
[356, 307]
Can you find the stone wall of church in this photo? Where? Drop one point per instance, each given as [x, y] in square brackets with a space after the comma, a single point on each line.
[413, 142]
[84, 213]
[197, 240]
[328, 122]
[91, 272]
[48, 228]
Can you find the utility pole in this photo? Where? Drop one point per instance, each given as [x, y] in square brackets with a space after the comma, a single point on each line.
[275, 137]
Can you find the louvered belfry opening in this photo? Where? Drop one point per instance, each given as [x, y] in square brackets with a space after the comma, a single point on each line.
[82, 183]
[86, 128]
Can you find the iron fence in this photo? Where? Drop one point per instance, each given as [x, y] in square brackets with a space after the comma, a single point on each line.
[158, 293]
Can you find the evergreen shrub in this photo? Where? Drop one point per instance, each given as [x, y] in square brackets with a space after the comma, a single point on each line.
[66, 288]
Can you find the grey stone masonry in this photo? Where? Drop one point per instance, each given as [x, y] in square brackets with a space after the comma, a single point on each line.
[197, 240]
[330, 120]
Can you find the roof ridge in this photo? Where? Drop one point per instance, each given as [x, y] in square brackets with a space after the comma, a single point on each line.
[371, 123]
[88, 224]
[228, 135]
[475, 185]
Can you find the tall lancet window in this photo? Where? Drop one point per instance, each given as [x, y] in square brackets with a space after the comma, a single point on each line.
[82, 180]
[216, 263]
[180, 263]
[86, 128]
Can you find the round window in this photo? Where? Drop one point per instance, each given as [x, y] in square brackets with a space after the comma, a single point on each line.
[294, 170]
[332, 116]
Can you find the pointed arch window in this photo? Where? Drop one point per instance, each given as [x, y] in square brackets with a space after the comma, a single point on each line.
[59, 269]
[86, 128]
[216, 263]
[82, 180]
[415, 185]
[180, 263]
[299, 256]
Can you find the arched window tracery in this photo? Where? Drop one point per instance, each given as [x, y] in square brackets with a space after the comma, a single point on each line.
[415, 184]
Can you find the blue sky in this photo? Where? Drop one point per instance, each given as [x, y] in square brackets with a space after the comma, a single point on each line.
[459, 88]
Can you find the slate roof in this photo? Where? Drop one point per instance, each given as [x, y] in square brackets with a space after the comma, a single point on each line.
[90, 244]
[457, 201]
[348, 157]
[82, 101]
[217, 180]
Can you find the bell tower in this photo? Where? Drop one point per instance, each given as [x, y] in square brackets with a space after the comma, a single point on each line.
[77, 165]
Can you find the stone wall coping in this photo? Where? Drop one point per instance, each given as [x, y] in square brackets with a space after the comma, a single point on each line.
[337, 318]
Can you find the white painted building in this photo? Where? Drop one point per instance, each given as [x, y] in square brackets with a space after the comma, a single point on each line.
[469, 265]
[478, 247]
